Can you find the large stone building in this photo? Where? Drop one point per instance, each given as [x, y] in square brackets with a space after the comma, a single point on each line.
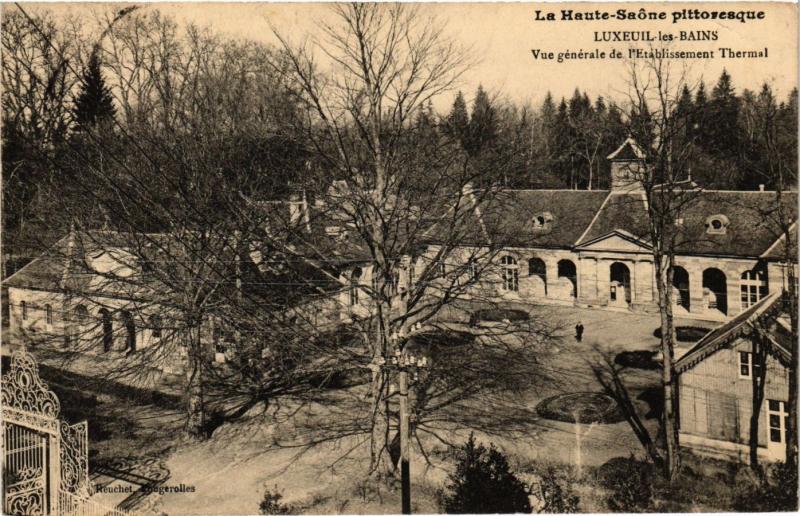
[587, 248]
[592, 248]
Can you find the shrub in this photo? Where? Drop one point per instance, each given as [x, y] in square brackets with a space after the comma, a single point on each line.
[498, 315]
[483, 483]
[685, 333]
[630, 485]
[271, 503]
[555, 493]
[640, 359]
[776, 492]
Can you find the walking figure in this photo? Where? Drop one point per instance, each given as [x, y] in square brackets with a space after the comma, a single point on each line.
[578, 331]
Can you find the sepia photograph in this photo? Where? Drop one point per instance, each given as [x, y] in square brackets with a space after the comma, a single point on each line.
[393, 258]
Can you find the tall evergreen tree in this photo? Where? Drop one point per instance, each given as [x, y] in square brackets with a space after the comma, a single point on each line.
[94, 104]
[482, 124]
[700, 118]
[457, 124]
[723, 119]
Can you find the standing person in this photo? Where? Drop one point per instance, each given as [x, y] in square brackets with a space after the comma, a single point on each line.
[579, 331]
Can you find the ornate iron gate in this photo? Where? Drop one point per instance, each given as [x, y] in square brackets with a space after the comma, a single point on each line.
[44, 458]
[25, 470]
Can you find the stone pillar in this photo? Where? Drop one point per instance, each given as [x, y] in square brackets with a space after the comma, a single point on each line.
[551, 267]
[644, 282]
[603, 280]
[776, 277]
[587, 279]
[733, 278]
[696, 298]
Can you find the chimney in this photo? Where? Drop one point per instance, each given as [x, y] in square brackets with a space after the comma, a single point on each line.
[761, 187]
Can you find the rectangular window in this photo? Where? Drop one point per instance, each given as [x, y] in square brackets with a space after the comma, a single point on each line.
[747, 365]
[777, 418]
[474, 273]
[48, 315]
[24, 307]
[753, 288]
[511, 279]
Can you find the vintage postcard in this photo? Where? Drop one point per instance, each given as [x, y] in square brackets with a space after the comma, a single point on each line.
[395, 258]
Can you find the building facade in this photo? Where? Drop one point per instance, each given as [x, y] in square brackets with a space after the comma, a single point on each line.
[592, 249]
[716, 382]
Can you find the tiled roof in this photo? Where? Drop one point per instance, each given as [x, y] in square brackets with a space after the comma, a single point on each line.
[512, 222]
[765, 311]
[44, 272]
[750, 233]
[752, 229]
[621, 211]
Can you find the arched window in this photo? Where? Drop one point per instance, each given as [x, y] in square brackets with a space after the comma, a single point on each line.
[108, 329]
[567, 269]
[680, 281]
[155, 326]
[81, 315]
[753, 287]
[510, 273]
[472, 270]
[48, 315]
[130, 330]
[395, 283]
[715, 282]
[536, 267]
[620, 273]
[24, 308]
[355, 276]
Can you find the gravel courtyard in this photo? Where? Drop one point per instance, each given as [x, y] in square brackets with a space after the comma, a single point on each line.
[230, 471]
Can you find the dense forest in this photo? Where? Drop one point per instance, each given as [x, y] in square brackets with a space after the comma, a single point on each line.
[563, 144]
[165, 96]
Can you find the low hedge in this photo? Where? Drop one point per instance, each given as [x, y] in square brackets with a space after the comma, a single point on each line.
[639, 359]
[498, 315]
[685, 333]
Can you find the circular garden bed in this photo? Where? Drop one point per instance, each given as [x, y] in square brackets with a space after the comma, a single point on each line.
[639, 359]
[685, 333]
[581, 407]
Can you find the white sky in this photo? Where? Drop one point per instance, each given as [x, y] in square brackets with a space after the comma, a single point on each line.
[501, 36]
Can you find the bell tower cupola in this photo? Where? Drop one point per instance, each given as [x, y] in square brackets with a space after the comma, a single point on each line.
[627, 167]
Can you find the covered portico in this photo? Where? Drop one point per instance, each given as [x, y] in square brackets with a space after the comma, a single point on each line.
[616, 271]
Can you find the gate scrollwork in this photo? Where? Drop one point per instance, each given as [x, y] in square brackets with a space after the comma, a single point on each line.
[74, 458]
[24, 390]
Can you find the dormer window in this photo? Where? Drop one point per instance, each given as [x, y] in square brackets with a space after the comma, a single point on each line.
[543, 220]
[717, 224]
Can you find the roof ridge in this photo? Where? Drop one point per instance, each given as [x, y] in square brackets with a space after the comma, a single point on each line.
[594, 219]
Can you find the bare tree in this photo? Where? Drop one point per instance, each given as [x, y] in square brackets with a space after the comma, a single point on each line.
[169, 250]
[405, 201]
[655, 85]
[777, 165]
